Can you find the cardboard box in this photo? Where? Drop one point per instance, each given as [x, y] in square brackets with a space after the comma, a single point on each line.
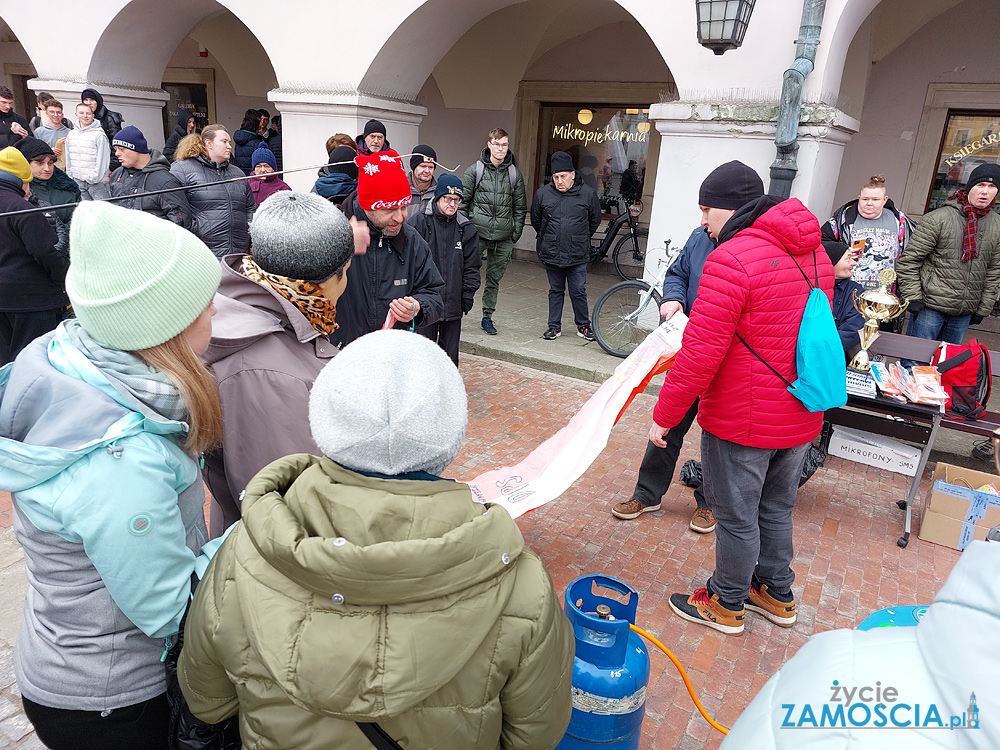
[955, 513]
[874, 450]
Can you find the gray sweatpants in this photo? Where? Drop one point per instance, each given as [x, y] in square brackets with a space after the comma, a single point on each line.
[752, 492]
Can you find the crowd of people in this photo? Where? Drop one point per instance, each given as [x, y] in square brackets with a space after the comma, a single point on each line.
[207, 329]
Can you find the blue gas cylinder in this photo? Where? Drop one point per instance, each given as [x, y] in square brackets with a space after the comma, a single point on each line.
[611, 668]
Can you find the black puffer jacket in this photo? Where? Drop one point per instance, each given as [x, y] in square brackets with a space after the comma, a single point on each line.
[154, 176]
[564, 223]
[221, 213]
[33, 271]
[180, 130]
[7, 136]
[454, 244]
[393, 268]
[244, 144]
[111, 122]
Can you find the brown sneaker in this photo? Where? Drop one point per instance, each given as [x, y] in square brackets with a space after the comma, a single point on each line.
[775, 608]
[705, 610]
[703, 521]
[632, 508]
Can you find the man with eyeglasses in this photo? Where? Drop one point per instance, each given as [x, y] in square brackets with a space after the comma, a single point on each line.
[454, 243]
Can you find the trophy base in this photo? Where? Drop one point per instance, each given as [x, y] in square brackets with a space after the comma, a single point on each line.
[861, 362]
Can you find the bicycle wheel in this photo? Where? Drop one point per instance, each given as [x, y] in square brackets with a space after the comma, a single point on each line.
[629, 256]
[618, 325]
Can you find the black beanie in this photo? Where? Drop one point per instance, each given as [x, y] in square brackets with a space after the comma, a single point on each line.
[730, 186]
[374, 126]
[835, 249]
[984, 173]
[427, 154]
[34, 148]
[562, 162]
[343, 154]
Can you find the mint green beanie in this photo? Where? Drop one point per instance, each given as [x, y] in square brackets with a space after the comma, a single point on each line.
[136, 281]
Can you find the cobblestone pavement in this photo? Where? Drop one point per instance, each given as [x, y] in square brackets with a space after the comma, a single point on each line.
[847, 563]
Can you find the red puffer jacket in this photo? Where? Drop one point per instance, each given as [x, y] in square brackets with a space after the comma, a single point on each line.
[750, 286]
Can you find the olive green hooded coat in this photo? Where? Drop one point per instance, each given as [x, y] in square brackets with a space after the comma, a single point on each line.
[931, 270]
[343, 598]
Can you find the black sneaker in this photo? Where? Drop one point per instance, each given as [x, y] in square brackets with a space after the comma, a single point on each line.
[552, 333]
[491, 330]
[585, 332]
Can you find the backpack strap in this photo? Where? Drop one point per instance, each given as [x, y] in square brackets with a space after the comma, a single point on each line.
[512, 176]
[766, 363]
[952, 362]
[479, 171]
[378, 736]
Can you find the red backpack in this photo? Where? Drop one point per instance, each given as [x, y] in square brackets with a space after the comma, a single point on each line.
[966, 377]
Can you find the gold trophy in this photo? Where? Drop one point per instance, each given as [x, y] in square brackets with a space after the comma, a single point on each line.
[876, 305]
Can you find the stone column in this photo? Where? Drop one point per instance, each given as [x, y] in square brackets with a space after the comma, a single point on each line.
[309, 118]
[698, 137]
[142, 108]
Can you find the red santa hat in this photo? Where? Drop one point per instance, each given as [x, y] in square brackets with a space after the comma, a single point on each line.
[382, 182]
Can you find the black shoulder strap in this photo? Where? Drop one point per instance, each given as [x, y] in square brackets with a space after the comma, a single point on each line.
[815, 268]
[766, 363]
[378, 736]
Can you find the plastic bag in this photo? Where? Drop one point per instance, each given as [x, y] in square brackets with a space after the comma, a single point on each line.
[691, 473]
[814, 459]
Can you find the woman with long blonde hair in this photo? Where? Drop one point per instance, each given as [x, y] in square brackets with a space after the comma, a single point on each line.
[102, 423]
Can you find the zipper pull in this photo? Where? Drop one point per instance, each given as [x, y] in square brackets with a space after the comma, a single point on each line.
[166, 649]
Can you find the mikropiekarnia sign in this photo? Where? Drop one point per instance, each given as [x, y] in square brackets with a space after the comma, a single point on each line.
[571, 132]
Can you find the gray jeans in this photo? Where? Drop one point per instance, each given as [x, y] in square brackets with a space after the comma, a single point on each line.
[752, 492]
[94, 191]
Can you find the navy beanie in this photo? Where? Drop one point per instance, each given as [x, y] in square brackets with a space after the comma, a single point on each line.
[449, 184]
[422, 153]
[730, 186]
[131, 137]
[263, 155]
[374, 126]
[562, 162]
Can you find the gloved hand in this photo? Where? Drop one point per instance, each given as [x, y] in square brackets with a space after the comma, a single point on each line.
[467, 303]
[915, 306]
[976, 320]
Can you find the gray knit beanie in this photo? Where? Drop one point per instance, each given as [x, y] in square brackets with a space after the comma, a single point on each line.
[391, 402]
[301, 236]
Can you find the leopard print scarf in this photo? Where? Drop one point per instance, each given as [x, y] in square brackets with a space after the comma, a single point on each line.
[307, 297]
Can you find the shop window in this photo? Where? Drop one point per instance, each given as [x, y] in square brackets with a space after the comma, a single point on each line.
[969, 139]
[609, 145]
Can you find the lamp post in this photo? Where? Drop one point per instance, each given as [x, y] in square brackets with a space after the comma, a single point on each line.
[722, 23]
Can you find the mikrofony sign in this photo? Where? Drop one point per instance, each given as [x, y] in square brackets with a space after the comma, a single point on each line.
[552, 467]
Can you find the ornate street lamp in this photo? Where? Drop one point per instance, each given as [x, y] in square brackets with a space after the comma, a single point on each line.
[722, 23]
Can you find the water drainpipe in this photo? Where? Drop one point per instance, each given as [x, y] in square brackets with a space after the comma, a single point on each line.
[785, 165]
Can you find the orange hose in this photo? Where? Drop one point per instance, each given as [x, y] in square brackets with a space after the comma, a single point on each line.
[687, 682]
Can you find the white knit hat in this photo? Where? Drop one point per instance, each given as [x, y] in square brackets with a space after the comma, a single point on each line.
[391, 402]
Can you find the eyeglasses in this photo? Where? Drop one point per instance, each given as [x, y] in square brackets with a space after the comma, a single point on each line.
[451, 199]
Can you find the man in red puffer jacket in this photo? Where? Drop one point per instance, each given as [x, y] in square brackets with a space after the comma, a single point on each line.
[755, 433]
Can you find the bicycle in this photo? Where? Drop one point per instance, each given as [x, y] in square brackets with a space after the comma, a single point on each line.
[620, 324]
[629, 254]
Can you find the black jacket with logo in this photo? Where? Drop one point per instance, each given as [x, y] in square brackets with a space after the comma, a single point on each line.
[454, 243]
[564, 223]
[154, 176]
[393, 267]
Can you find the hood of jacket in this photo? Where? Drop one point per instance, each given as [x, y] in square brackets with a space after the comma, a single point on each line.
[243, 137]
[39, 435]
[333, 184]
[183, 116]
[849, 211]
[95, 124]
[93, 94]
[363, 149]
[411, 548]
[486, 159]
[247, 312]
[788, 223]
[157, 163]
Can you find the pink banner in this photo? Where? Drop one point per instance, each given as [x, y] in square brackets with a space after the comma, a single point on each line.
[553, 466]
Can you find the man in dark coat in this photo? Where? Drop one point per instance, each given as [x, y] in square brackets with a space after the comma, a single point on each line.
[13, 127]
[144, 171]
[454, 244]
[32, 272]
[565, 214]
[111, 122]
[396, 272]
